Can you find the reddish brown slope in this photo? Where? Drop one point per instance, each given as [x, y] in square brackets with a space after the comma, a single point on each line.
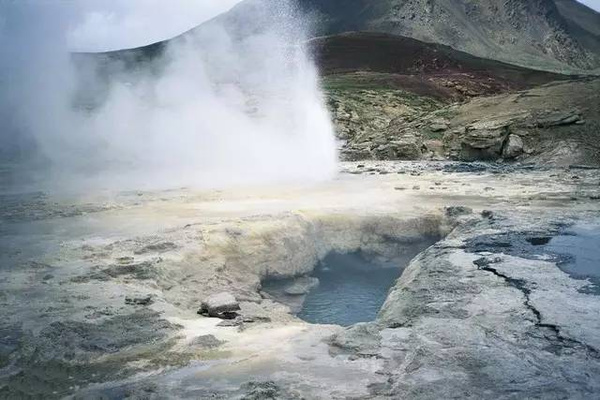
[374, 59]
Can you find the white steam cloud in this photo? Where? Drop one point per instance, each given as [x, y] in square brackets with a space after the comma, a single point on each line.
[216, 109]
[104, 25]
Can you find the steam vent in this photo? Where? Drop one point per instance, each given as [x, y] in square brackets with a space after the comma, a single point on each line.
[300, 199]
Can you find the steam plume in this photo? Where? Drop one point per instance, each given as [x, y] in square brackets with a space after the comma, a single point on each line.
[222, 105]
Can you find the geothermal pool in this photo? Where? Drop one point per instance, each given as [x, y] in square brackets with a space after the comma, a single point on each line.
[351, 289]
[580, 245]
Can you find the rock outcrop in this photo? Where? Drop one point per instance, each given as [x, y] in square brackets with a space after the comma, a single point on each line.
[555, 123]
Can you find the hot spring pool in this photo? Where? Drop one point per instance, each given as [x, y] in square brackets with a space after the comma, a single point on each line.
[350, 290]
[580, 248]
[351, 287]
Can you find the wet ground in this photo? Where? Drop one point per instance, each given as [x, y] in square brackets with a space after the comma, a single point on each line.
[68, 266]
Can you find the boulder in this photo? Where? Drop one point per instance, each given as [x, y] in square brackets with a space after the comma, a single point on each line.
[406, 148]
[435, 148]
[221, 305]
[513, 147]
[482, 144]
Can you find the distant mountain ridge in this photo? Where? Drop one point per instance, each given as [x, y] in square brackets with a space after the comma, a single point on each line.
[553, 35]
[544, 34]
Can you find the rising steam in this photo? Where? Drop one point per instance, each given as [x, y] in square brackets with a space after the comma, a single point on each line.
[222, 105]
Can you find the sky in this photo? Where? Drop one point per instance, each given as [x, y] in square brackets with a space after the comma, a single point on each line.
[595, 4]
[98, 25]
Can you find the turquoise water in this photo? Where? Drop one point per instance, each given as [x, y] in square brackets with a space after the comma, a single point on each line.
[580, 247]
[351, 290]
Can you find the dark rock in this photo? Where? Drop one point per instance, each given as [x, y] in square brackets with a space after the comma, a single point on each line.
[455, 211]
[539, 241]
[466, 167]
[157, 248]
[487, 214]
[73, 340]
[261, 391]
[139, 301]
[221, 305]
[207, 342]
[142, 271]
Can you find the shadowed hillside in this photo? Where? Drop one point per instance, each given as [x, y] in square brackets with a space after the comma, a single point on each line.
[561, 35]
[422, 68]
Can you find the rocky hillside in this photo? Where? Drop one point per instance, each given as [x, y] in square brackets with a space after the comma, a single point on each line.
[442, 71]
[542, 34]
[397, 98]
[556, 123]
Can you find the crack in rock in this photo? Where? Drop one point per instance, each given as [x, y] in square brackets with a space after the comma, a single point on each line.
[521, 285]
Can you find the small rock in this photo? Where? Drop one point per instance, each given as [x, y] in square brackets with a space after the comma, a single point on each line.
[487, 214]
[139, 301]
[571, 120]
[207, 342]
[416, 187]
[455, 211]
[301, 286]
[221, 305]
